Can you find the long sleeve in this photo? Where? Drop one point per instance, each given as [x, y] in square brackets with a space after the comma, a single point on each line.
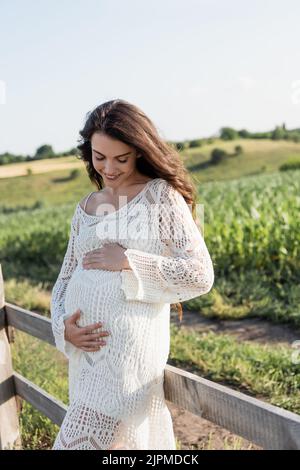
[59, 292]
[186, 272]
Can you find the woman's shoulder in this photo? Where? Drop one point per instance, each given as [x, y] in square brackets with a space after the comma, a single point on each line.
[83, 201]
[166, 191]
[90, 196]
[170, 197]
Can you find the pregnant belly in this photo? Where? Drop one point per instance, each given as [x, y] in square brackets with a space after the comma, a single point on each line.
[98, 294]
[95, 292]
[139, 331]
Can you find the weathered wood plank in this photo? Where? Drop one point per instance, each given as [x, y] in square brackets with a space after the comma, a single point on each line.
[9, 423]
[50, 406]
[29, 322]
[268, 426]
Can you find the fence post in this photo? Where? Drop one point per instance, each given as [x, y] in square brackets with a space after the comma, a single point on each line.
[10, 438]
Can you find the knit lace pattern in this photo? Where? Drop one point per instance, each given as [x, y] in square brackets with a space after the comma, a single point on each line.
[116, 394]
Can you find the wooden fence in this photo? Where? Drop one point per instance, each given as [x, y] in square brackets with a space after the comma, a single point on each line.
[266, 425]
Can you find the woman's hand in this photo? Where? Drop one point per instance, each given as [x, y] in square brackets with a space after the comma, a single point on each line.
[82, 337]
[110, 257]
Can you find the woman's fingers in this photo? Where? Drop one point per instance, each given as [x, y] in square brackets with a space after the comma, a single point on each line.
[94, 336]
[90, 346]
[92, 342]
[88, 329]
[89, 349]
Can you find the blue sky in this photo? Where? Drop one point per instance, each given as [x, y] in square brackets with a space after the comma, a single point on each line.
[192, 66]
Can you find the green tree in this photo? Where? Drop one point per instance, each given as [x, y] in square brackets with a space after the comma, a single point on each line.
[74, 174]
[228, 133]
[244, 133]
[238, 150]
[217, 156]
[44, 151]
[196, 143]
[278, 133]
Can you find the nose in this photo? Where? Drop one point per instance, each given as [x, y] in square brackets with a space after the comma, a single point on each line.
[109, 170]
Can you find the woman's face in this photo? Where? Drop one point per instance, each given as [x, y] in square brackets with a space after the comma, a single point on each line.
[112, 157]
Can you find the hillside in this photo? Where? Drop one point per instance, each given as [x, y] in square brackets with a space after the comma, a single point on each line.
[39, 166]
[259, 156]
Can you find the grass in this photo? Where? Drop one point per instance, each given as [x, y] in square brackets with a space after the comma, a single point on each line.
[50, 189]
[257, 370]
[243, 295]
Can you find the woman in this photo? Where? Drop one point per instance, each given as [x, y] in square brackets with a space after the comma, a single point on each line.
[134, 250]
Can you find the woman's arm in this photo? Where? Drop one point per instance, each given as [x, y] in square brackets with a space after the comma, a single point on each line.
[188, 270]
[59, 291]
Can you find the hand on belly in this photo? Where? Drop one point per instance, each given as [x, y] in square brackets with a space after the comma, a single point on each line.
[83, 337]
[110, 257]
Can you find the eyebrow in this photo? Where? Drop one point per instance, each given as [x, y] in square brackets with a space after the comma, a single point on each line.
[116, 156]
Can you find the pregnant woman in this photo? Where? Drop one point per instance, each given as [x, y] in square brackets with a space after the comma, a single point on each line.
[134, 250]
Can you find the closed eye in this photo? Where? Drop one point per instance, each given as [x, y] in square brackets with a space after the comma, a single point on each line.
[121, 161]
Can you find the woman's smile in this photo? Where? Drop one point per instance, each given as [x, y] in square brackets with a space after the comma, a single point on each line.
[111, 177]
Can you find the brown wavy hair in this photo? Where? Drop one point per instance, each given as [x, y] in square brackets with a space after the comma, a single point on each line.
[124, 121]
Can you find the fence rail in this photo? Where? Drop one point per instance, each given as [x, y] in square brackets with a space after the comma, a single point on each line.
[266, 425]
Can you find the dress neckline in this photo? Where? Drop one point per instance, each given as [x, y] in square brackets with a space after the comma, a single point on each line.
[120, 209]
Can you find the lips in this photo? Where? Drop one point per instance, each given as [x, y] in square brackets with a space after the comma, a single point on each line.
[112, 177]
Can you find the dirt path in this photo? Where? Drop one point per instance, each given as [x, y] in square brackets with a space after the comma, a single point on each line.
[249, 329]
[195, 433]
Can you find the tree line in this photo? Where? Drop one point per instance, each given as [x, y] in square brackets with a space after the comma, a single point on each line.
[225, 133]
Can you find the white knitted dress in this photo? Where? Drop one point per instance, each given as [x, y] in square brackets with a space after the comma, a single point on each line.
[116, 394]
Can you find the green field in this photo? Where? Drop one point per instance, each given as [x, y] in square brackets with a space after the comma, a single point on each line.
[252, 231]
